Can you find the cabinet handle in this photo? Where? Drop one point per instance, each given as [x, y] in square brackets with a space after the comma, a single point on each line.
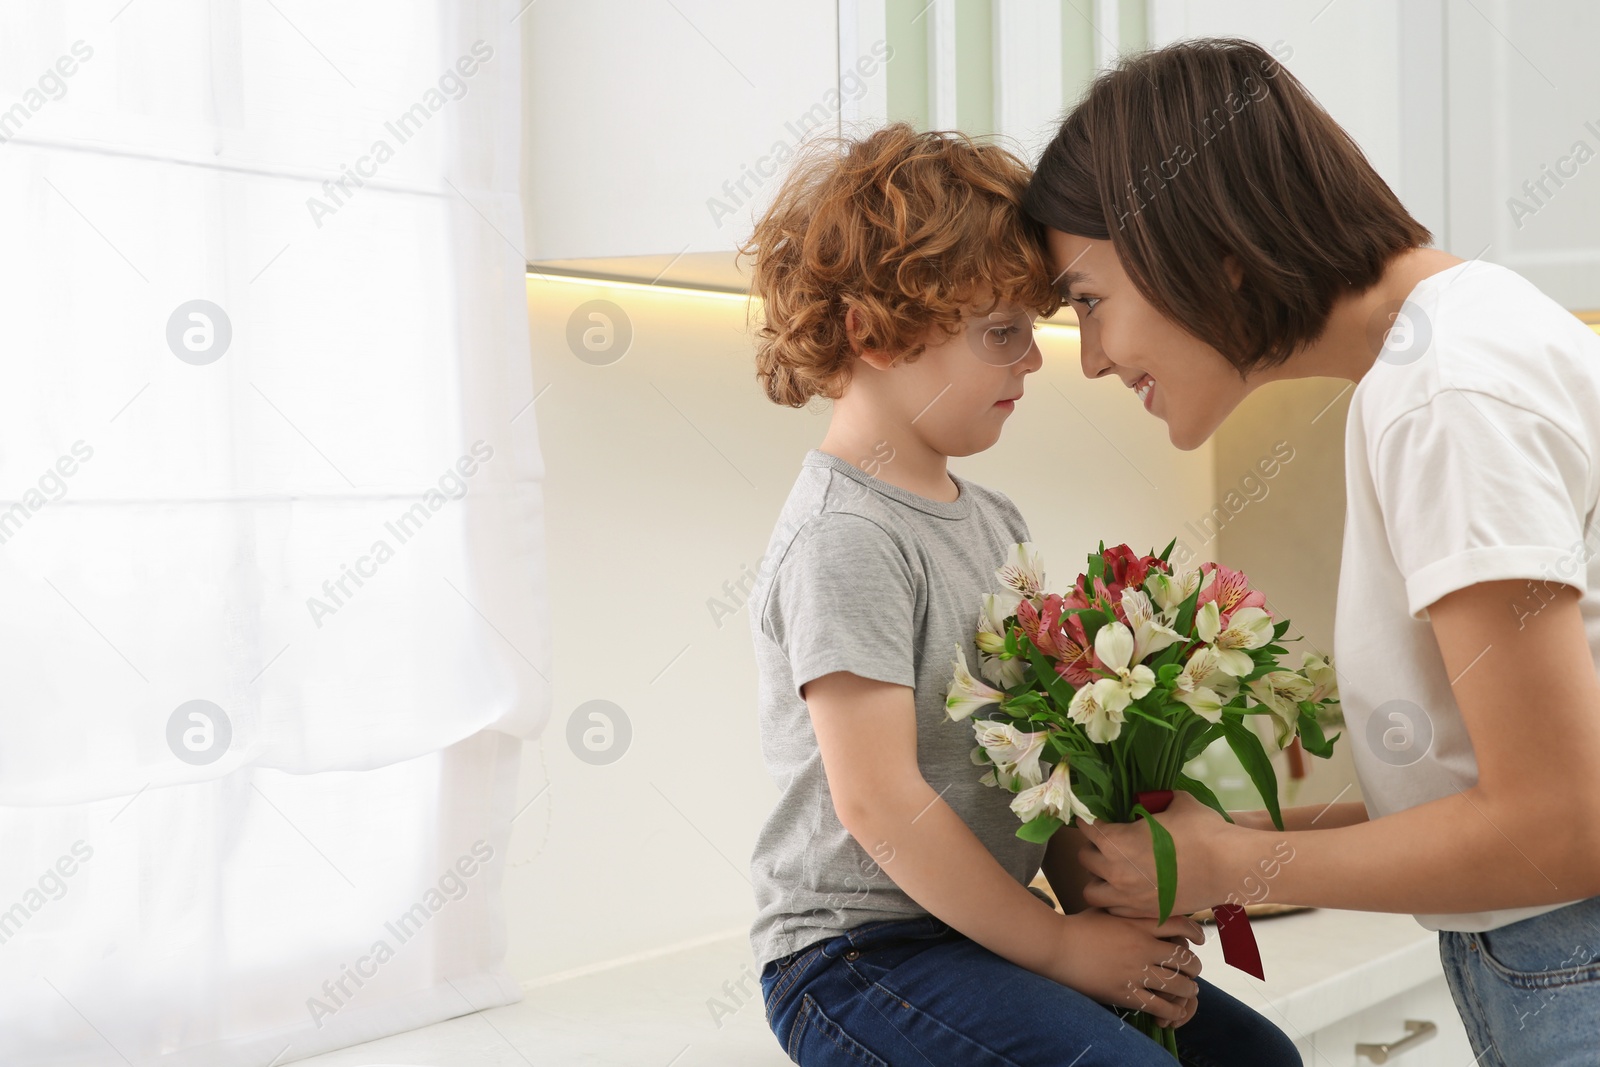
[1417, 1031]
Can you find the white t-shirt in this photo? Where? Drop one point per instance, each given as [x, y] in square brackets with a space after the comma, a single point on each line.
[1472, 454]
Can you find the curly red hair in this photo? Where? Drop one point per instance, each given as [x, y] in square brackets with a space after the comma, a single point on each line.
[913, 230]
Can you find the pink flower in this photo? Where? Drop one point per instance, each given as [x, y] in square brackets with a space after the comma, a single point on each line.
[1127, 568]
[1060, 640]
[1077, 657]
[1042, 625]
[1231, 590]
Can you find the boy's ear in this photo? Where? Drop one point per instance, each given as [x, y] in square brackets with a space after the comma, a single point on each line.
[873, 356]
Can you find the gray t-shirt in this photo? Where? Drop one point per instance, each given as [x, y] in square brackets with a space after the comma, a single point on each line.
[866, 577]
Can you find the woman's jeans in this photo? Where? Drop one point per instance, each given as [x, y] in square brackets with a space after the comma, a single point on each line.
[916, 992]
[1529, 992]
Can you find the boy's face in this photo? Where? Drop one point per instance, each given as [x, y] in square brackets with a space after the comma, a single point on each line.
[958, 393]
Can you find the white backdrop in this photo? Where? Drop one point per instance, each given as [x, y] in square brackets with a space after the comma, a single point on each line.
[267, 443]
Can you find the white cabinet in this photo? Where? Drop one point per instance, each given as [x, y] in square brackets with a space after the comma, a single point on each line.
[1336, 979]
[1483, 115]
[1385, 1022]
[655, 129]
[1523, 122]
[655, 132]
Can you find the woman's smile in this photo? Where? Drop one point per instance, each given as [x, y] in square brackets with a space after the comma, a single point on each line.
[1146, 388]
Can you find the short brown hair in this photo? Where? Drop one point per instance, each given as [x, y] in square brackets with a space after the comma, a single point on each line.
[910, 229]
[1271, 180]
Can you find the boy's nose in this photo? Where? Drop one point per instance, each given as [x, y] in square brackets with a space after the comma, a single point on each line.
[1034, 359]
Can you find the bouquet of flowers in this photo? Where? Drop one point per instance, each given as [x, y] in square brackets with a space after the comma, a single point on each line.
[1101, 697]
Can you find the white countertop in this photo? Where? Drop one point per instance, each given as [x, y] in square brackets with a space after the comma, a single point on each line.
[1321, 966]
[1325, 964]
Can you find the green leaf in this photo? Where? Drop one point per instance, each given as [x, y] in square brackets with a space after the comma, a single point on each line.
[1059, 689]
[1168, 671]
[1162, 555]
[1099, 806]
[1134, 709]
[1026, 703]
[1202, 742]
[1039, 828]
[1201, 792]
[1166, 854]
[1092, 772]
[1169, 657]
[1311, 737]
[1092, 618]
[1097, 565]
[1247, 746]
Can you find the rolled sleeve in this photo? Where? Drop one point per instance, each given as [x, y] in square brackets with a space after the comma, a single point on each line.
[1477, 489]
[844, 599]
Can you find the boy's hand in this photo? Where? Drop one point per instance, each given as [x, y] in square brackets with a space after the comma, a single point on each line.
[1132, 963]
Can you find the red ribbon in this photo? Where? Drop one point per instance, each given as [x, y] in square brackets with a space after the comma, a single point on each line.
[1239, 947]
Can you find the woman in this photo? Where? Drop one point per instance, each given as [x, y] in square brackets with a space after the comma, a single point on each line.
[1216, 230]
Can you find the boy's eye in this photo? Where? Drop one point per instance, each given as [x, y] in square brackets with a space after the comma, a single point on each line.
[1087, 301]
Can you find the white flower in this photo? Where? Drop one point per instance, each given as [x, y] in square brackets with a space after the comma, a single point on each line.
[997, 608]
[1004, 673]
[1152, 632]
[1203, 685]
[1095, 708]
[1169, 591]
[1053, 796]
[1015, 753]
[988, 777]
[1282, 692]
[966, 694]
[1023, 570]
[1323, 677]
[1248, 628]
[991, 640]
[1114, 647]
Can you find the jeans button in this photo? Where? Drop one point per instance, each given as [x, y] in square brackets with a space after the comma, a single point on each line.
[852, 954]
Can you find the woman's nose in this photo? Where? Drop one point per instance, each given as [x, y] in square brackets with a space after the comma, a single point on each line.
[1095, 363]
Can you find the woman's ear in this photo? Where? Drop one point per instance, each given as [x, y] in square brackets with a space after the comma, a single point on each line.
[1234, 271]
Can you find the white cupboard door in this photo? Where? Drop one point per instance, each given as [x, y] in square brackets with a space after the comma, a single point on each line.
[1386, 1023]
[661, 129]
[1523, 105]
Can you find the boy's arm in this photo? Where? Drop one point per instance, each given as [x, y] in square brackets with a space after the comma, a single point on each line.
[866, 731]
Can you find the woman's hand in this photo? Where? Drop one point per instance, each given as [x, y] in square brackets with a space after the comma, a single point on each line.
[1132, 963]
[1120, 859]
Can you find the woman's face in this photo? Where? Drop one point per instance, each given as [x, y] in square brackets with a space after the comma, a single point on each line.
[1121, 333]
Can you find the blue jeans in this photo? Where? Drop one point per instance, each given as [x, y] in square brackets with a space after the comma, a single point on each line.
[1529, 992]
[918, 993]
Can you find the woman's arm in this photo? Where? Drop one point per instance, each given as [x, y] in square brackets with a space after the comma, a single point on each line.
[1309, 817]
[867, 733]
[1526, 833]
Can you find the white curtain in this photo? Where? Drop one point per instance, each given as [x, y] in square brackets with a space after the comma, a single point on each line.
[274, 611]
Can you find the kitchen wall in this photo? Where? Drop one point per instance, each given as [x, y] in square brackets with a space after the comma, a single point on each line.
[666, 472]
